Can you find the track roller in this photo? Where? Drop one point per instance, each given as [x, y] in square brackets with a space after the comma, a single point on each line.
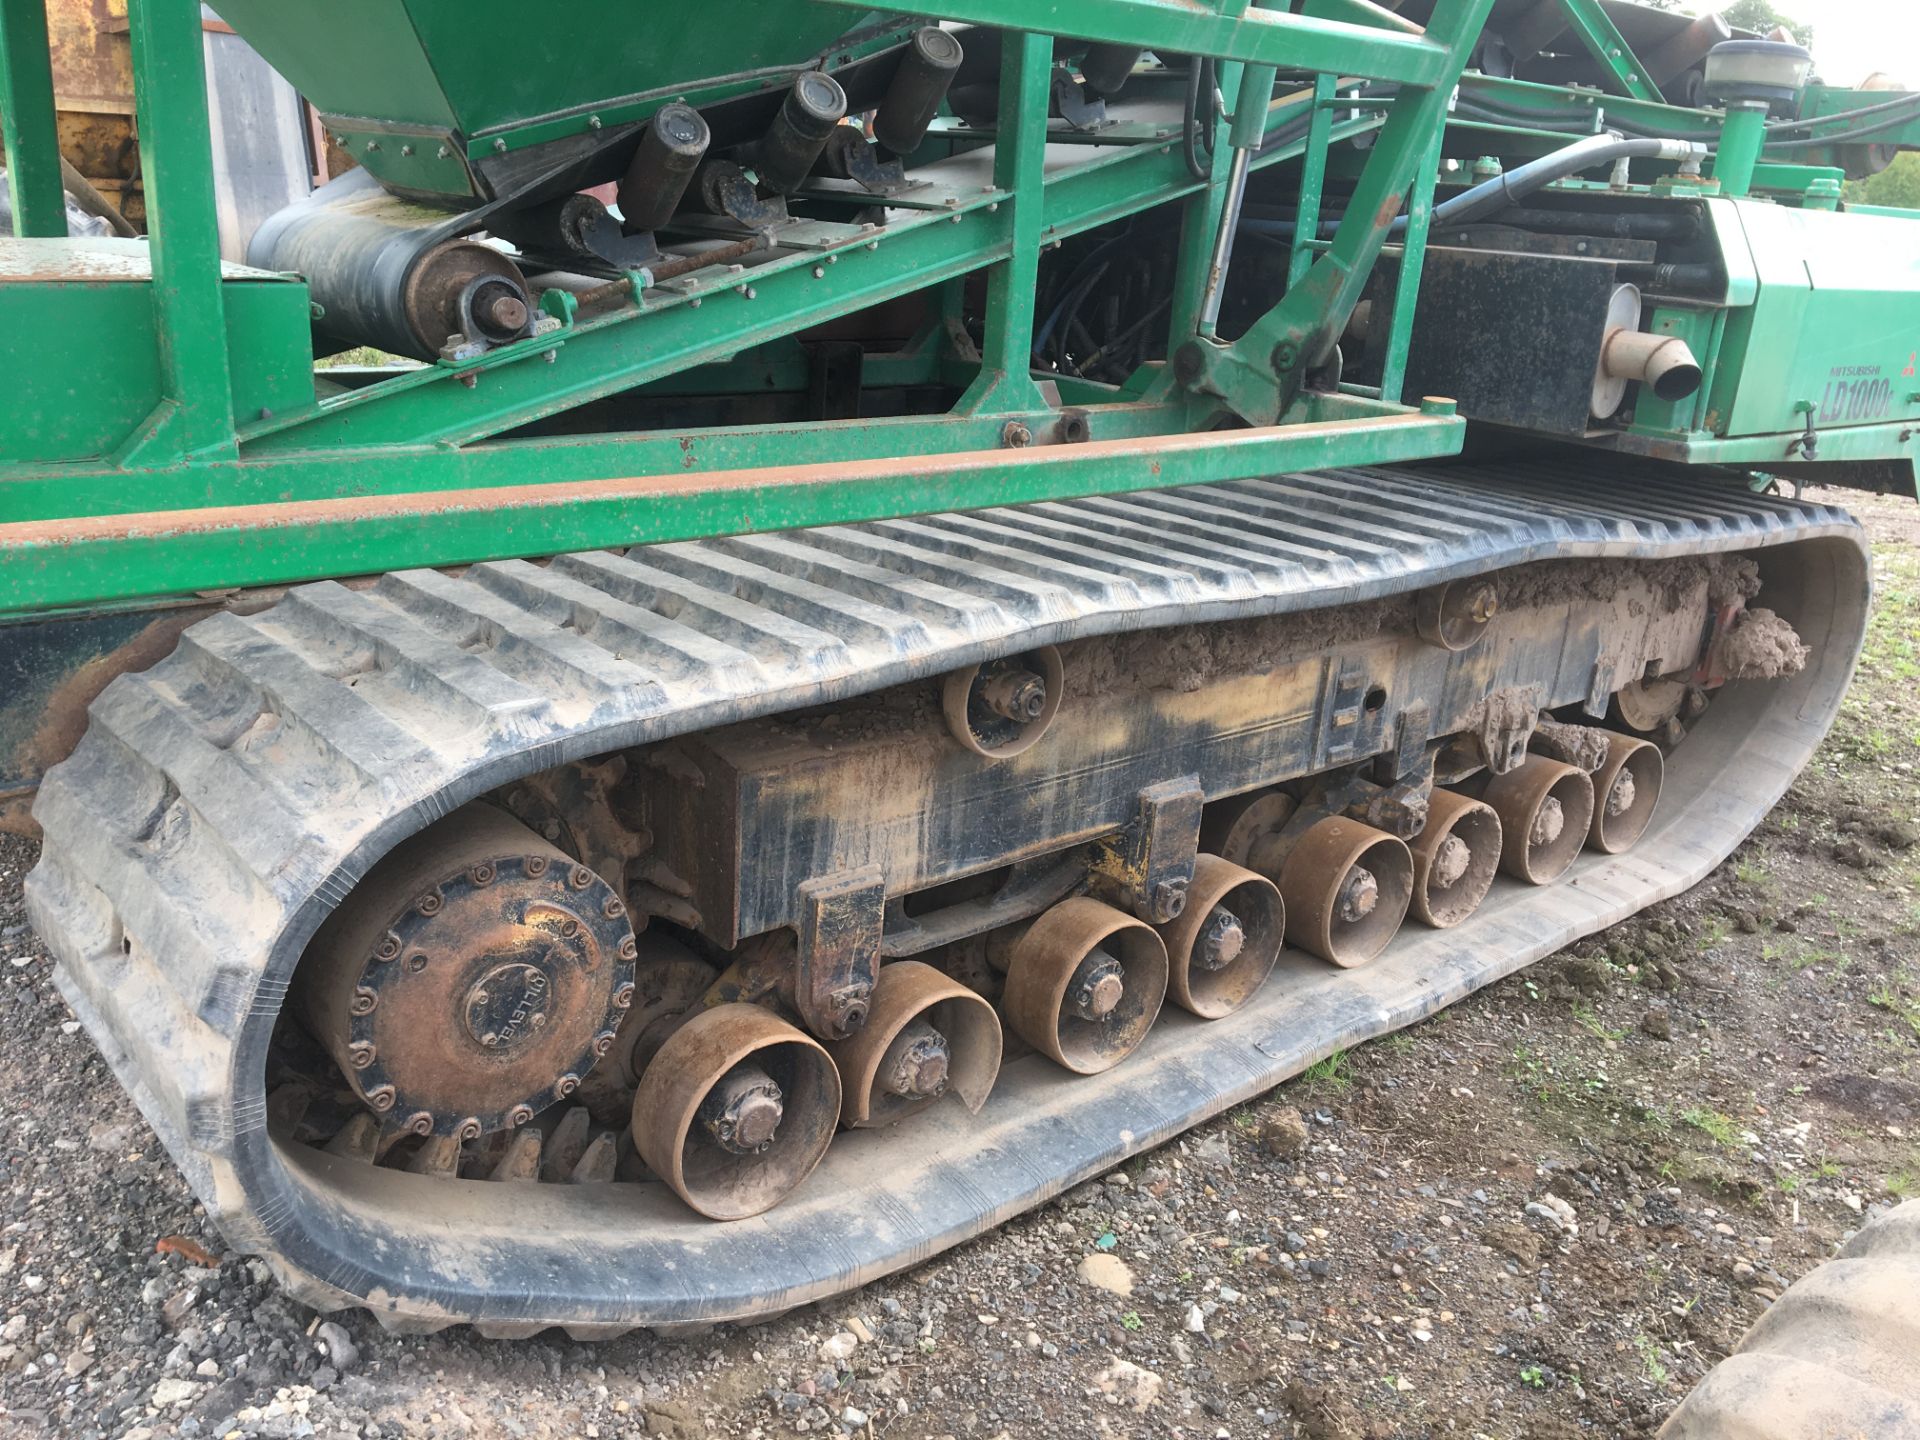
[1545, 808]
[1626, 788]
[668, 981]
[1002, 707]
[1455, 856]
[926, 1036]
[1346, 887]
[1085, 983]
[735, 1111]
[470, 979]
[1222, 947]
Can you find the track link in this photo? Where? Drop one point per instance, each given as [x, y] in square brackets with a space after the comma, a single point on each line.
[224, 801]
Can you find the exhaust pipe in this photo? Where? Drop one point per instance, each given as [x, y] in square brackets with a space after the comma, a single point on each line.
[1663, 363]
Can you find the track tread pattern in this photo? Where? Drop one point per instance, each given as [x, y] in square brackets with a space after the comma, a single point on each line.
[221, 802]
[1837, 1355]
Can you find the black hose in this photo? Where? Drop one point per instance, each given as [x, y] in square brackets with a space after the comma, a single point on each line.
[1196, 134]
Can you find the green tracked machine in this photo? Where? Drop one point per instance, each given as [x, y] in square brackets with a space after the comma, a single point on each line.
[772, 632]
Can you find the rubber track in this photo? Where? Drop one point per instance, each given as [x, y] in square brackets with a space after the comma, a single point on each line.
[222, 802]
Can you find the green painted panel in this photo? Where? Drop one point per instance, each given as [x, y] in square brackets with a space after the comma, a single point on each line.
[359, 57]
[72, 397]
[1835, 325]
[487, 64]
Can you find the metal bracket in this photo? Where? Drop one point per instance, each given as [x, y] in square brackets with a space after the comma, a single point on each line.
[1149, 865]
[1079, 107]
[1347, 725]
[1507, 722]
[842, 918]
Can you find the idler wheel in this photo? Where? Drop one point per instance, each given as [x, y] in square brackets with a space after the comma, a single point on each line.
[1545, 809]
[1247, 830]
[1346, 887]
[1223, 945]
[1626, 789]
[470, 979]
[1084, 984]
[1002, 707]
[668, 981]
[926, 1036]
[1646, 706]
[1454, 858]
[735, 1110]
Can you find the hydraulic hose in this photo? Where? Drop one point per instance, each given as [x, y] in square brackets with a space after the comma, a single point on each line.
[1514, 185]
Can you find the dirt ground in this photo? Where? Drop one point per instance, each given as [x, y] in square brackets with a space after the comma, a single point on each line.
[1544, 1213]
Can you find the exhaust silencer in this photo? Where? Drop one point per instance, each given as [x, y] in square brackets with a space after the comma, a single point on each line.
[1662, 363]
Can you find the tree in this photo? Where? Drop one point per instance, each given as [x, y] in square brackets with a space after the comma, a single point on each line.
[1761, 16]
[1898, 185]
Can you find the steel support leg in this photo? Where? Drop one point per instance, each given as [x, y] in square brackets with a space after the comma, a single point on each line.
[195, 414]
[1259, 374]
[27, 119]
[1406, 289]
[1005, 381]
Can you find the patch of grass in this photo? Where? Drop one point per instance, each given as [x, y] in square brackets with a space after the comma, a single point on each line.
[1329, 1073]
[1592, 1023]
[1132, 1321]
[1715, 932]
[1650, 1359]
[1892, 997]
[1712, 1123]
[1748, 873]
[1534, 1376]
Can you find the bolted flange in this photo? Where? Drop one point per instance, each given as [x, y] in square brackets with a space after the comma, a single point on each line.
[473, 972]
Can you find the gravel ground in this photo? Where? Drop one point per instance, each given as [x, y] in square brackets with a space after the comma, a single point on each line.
[1543, 1213]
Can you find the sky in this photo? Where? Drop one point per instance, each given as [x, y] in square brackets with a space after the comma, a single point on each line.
[1854, 38]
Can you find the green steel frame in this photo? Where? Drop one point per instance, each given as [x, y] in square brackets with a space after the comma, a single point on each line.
[419, 468]
[202, 498]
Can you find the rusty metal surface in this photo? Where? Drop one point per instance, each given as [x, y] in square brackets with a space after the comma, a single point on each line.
[471, 978]
[872, 1092]
[1041, 994]
[193, 998]
[990, 708]
[1626, 788]
[668, 981]
[725, 1045]
[1347, 887]
[842, 918]
[1545, 807]
[1454, 858]
[1213, 966]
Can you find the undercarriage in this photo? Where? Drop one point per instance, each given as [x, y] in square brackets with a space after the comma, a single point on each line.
[701, 905]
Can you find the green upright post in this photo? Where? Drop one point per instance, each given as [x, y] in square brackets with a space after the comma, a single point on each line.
[195, 414]
[1313, 177]
[27, 118]
[1005, 381]
[1743, 135]
[1607, 45]
[1413, 256]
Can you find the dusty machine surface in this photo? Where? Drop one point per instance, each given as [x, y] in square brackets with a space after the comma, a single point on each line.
[908, 606]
